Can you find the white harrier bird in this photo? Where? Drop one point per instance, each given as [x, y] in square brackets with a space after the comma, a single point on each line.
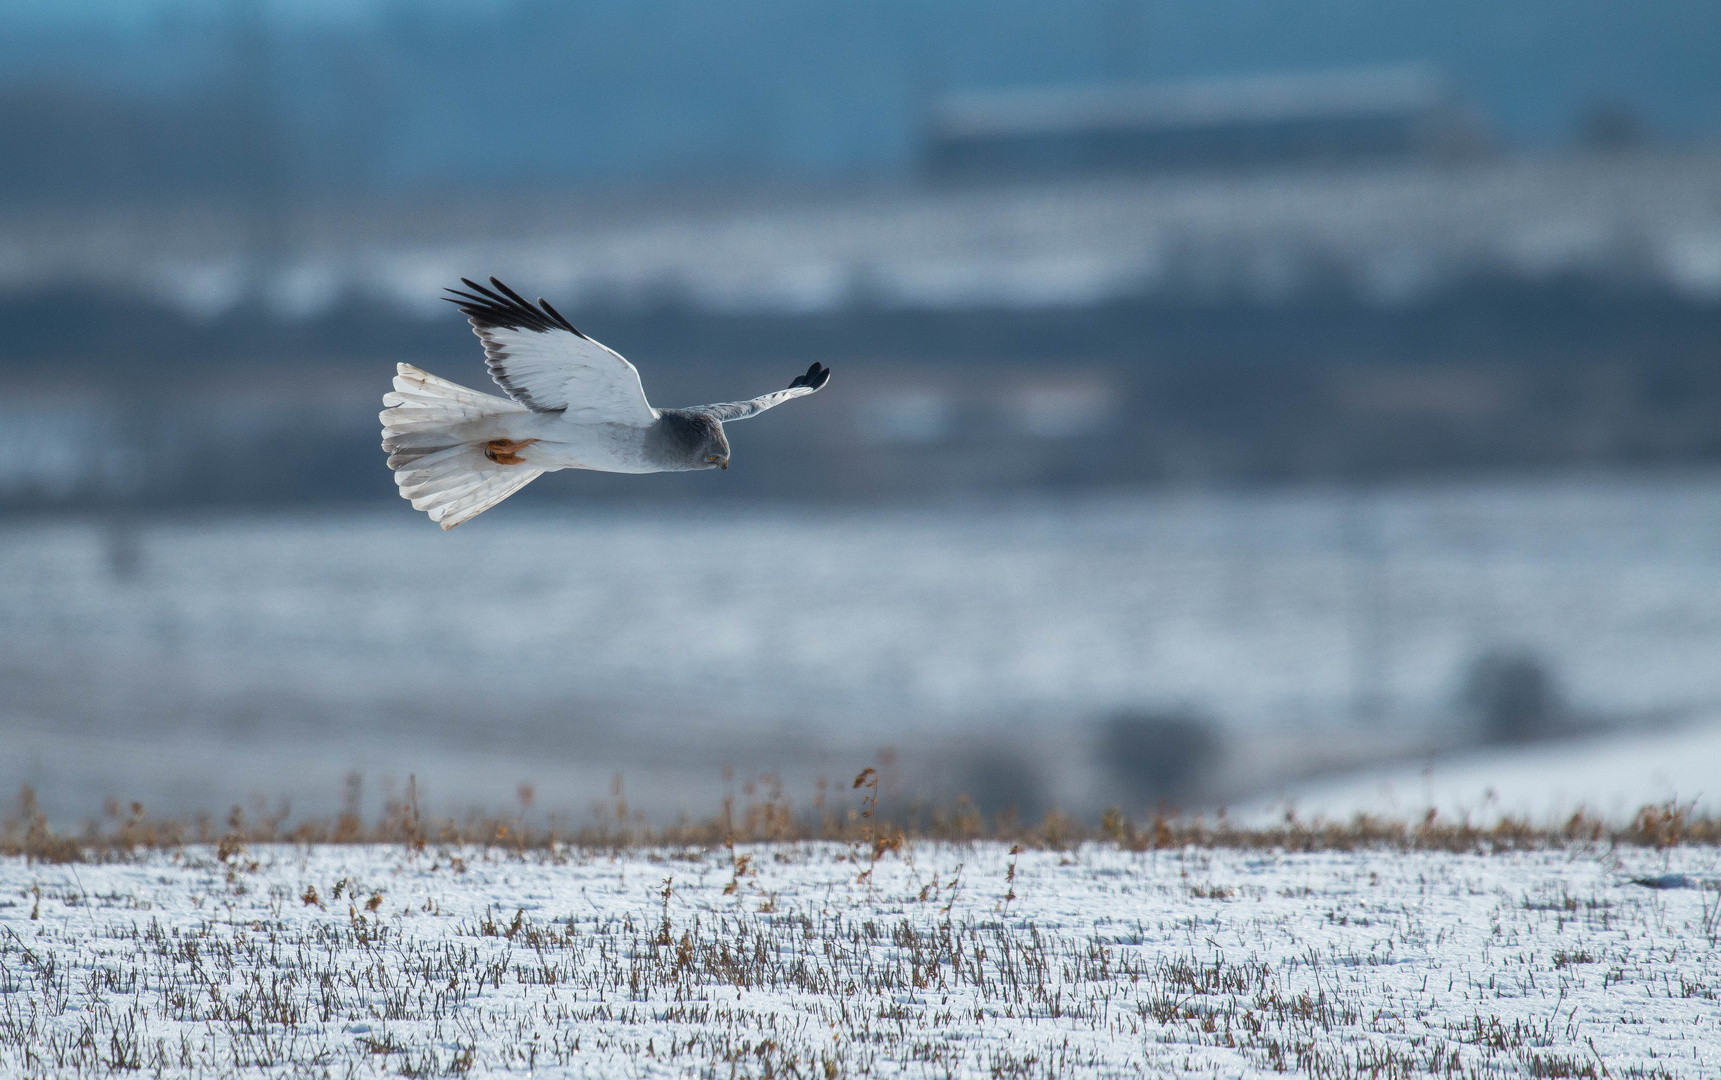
[572, 404]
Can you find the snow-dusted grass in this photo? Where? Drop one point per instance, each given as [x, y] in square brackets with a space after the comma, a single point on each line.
[816, 959]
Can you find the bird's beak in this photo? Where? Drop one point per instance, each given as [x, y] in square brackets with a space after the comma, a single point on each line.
[725, 464]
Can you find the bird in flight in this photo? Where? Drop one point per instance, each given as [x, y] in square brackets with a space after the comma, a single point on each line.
[571, 404]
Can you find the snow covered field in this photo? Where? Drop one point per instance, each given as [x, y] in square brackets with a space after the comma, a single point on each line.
[273, 654]
[793, 960]
[1605, 776]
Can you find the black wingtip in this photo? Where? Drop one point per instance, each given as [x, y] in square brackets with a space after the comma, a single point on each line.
[556, 315]
[816, 376]
[502, 306]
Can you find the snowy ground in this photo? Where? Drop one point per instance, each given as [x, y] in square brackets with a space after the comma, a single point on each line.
[778, 961]
[1608, 776]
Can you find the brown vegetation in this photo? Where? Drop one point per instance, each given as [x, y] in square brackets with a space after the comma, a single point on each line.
[870, 829]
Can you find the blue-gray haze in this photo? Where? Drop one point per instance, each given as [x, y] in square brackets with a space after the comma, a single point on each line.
[393, 93]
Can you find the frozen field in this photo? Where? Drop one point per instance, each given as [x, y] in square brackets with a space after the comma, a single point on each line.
[198, 662]
[1609, 777]
[778, 961]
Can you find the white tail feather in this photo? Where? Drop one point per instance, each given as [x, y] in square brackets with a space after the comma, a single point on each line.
[434, 432]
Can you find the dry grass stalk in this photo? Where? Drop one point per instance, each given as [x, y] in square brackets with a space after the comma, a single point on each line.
[870, 830]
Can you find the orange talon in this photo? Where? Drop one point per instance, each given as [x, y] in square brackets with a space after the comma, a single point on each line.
[507, 451]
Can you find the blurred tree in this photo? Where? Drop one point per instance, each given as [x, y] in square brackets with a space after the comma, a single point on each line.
[1513, 698]
[1001, 781]
[1160, 756]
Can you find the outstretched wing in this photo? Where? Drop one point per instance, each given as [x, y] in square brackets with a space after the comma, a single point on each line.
[546, 365]
[816, 376]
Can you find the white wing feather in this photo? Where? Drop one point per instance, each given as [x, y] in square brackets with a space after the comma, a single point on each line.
[548, 366]
[816, 377]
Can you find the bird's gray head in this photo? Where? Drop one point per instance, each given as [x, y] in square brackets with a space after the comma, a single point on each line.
[714, 451]
[687, 440]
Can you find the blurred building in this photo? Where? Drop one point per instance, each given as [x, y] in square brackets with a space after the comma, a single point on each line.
[1337, 116]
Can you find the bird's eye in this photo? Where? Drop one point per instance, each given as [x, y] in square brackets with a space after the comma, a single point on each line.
[713, 458]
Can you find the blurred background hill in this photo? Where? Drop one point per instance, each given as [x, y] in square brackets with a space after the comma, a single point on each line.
[1335, 240]
[1406, 299]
